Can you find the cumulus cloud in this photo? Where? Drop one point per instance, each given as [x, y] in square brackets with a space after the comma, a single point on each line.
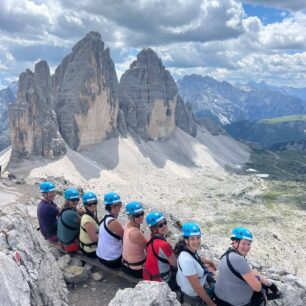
[147, 22]
[212, 37]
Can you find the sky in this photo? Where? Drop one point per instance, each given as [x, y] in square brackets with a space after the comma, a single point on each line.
[232, 40]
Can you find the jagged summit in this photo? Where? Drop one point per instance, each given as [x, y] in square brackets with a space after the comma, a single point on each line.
[82, 100]
[34, 128]
[92, 39]
[148, 98]
[85, 89]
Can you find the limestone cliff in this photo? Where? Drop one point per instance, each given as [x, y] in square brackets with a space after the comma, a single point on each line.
[148, 97]
[33, 125]
[85, 89]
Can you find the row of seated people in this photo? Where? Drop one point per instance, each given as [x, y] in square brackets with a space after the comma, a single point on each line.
[153, 258]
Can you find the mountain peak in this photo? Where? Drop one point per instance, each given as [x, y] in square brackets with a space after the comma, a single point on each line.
[92, 39]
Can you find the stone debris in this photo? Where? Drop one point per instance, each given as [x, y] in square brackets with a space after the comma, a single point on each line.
[76, 274]
[97, 276]
[146, 293]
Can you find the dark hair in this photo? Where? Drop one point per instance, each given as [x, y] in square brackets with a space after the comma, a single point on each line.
[179, 247]
[108, 208]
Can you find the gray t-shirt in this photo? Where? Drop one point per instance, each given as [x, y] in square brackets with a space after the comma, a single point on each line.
[229, 287]
[189, 267]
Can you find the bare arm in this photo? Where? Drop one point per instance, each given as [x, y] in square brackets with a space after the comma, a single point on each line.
[252, 281]
[91, 231]
[210, 264]
[116, 227]
[263, 280]
[196, 285]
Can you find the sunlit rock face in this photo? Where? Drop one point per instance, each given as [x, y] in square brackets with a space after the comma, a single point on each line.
[85, 89]
[33, 125]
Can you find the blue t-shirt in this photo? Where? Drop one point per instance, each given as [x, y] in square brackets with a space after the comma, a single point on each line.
[68, 226]
[47, 213]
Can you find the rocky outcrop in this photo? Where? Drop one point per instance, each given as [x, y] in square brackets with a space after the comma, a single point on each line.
[33, 125]
[146, 293]
[85, 89]
[183, 117]
[29, 274]
[7, 97]
[148, 98]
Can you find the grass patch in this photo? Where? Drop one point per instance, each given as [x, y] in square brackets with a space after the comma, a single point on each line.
[284, 119]
[285, 165]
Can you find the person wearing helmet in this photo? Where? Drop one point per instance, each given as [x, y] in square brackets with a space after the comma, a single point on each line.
[237, 284]
[48, 212]
[160, 262]
[109, 249]
[192, 273]
[89, 230]
[134, 241]
[68, 227]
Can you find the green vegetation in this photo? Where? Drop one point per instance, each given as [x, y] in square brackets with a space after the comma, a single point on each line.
[283, 119]
[286, 192]
[284, 165]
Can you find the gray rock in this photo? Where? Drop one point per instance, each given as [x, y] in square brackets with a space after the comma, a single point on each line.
[33, 124]
[76, 274]
[36, 279]
[63, 261]
[85, 89]
[146, 293]
[183, 117]
[121, 124]
[148, 98]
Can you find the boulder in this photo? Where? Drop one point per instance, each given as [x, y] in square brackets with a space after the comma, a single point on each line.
[146, 293]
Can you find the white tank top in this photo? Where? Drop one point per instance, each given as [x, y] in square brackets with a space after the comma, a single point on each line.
[109, 247]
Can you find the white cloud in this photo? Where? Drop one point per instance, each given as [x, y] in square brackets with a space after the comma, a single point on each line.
[192, 36]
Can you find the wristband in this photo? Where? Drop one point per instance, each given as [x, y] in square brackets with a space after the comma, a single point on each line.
[258, 277]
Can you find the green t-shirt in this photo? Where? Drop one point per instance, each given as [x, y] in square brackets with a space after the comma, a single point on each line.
[68, 226]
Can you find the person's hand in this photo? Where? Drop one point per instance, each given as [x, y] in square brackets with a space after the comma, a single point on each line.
[276, 294]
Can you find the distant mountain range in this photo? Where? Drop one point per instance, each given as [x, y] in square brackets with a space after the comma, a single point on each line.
[241, 109]
[225, 103]
[7, 96]
[299, 93]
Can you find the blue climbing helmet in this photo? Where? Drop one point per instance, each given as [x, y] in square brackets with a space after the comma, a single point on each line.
[133, 208]
[71, 194]
[154, 217]
[191, 229]
[46, 187]
[89, 197]
[241, 233]
[112, 198]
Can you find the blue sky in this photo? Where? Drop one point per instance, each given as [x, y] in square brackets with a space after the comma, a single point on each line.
[266, 14]
[237, 41]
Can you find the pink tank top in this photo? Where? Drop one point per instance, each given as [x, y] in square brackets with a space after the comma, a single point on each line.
[132, 252]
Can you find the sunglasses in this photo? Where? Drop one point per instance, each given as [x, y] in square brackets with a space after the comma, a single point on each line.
[91, 204]
[160, 225]
[75, 200]
[138, 215]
